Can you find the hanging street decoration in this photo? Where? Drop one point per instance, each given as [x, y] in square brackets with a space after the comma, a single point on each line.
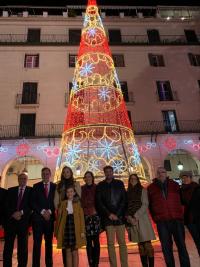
[22, 148]
[97, 128]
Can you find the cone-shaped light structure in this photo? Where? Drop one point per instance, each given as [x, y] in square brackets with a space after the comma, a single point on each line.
[97, 129]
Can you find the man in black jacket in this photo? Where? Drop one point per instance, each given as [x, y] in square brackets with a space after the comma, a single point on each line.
[43, 218]
[18, 212]
[111, 204]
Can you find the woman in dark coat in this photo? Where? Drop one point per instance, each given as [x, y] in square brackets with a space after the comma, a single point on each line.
[92, 220]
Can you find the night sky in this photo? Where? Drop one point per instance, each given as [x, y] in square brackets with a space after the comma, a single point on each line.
[100, 2]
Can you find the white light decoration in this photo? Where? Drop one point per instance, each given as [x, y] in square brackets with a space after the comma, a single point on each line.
[180, 166]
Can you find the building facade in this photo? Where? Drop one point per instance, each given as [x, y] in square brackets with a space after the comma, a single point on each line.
[156, 52]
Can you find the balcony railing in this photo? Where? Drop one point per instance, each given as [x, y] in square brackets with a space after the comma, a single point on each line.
[62, 39]
[55, 130]
[22, 100]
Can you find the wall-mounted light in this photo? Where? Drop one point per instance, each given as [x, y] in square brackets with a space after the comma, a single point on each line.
[180, 166]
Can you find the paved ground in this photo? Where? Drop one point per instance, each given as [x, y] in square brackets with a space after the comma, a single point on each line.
[133, 255]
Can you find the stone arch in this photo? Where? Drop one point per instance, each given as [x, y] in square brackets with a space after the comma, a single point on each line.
[189, 161]
[147, 168]
[16, 165]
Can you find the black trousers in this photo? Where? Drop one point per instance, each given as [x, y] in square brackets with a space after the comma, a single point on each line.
[194, 230]
[93, 250]
[13, 230]
[41, 228]
[175, 229]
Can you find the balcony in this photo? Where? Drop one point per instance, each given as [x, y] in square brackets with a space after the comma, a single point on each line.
[29, 100]
[158, 127]
[55, 130]
[63, 39]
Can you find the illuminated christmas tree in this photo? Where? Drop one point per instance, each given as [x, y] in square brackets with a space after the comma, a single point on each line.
[97, 129]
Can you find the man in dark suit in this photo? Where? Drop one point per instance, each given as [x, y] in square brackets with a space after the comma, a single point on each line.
[18, 211]
[43, 218]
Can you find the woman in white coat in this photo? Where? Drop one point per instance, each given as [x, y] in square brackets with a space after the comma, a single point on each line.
[139, 225]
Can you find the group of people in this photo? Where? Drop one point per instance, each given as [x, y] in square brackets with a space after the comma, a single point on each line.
[76, 215]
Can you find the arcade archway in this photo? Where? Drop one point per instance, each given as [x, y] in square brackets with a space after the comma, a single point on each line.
[147, 169]
[179, 160]
[30, 164]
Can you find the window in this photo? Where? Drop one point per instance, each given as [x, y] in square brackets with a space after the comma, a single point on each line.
[153, 36]
[118, 60]
[191, 36]
[31, 61]
[33, 35]
[124, 88]
[29, 93]
[156, 60]
[170, 120]
[27, 125]
[115, 36]
[194, 59]
[74, 36]
[72, 60]
[164, 91]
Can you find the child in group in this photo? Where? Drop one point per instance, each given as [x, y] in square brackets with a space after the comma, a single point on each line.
[70, 227]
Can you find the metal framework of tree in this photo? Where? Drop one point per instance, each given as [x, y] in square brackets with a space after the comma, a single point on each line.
[97, 128]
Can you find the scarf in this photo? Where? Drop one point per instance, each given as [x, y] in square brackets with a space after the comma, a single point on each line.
[134, 195]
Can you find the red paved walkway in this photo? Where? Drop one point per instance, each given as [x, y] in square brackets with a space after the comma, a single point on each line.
[133, 256]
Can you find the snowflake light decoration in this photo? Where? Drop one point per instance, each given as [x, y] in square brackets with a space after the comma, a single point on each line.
[86, 69]
[92, 32]
[99, 22]
[107, 149]
[104, 93]
[73, 153]
[75, 86]
[118, 166]
[94, 165]
[86, 20]
[136, 154]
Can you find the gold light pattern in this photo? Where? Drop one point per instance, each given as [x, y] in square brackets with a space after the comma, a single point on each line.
[97, 129]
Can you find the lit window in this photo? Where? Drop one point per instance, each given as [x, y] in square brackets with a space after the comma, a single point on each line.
[31, 61]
